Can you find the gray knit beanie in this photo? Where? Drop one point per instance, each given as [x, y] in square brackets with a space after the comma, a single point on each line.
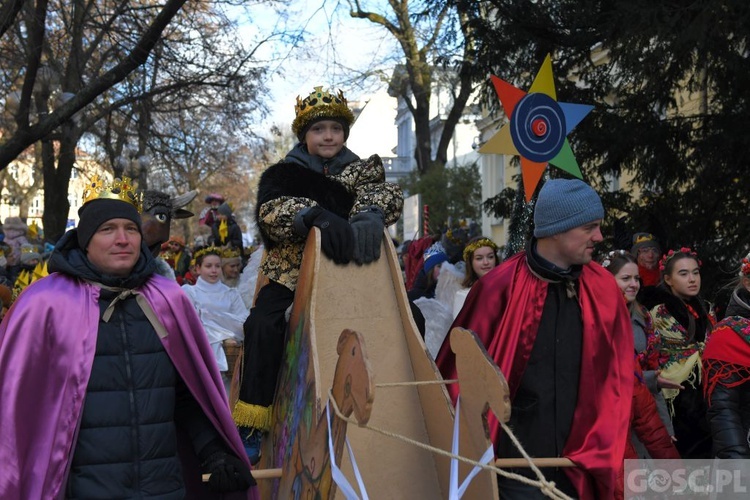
[225, 209]
[564, 204]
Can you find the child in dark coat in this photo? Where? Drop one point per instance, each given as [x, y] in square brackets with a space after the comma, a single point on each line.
[319, 184]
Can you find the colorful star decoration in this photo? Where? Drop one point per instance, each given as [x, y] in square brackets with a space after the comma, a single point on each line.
[537, 127]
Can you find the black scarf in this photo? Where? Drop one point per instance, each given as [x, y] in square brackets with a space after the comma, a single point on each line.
[333, 166]
[550, 272]
[661, 294]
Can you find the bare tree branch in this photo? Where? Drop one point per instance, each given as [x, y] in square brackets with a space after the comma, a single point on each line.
[8, 13]
[25, 136]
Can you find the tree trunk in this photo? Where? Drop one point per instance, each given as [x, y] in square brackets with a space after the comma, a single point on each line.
[57, 182]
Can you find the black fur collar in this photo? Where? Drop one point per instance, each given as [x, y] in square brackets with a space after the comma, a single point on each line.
[288, 179]
[654, 295]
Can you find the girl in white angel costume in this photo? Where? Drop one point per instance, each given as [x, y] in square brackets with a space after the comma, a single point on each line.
[219, 307]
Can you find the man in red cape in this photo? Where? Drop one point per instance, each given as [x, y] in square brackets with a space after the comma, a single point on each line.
[556, 325]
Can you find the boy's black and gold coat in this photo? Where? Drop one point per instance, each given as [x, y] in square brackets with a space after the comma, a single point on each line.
[287, 189]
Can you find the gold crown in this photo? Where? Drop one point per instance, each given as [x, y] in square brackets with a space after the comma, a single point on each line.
[29, 249]
[207, 250]
[120, 189]
[320, 104]
[230, 253]
[475, 245]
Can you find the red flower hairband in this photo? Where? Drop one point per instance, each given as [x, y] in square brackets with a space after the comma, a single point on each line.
[745, 267]
[669, 255]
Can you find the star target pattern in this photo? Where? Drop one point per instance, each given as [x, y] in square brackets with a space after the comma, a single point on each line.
[537, 128]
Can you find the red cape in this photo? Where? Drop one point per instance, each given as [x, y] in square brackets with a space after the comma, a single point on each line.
[726, 357]
[504, 309]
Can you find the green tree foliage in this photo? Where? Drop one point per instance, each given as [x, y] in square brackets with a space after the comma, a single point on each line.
[669, 81]
[453, 193]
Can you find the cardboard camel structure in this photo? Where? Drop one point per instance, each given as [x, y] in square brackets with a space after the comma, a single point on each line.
[370, 300]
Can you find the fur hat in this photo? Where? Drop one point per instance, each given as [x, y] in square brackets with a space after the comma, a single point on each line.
[564, 204]
[644, 240]
[15, 223]
[321, 105]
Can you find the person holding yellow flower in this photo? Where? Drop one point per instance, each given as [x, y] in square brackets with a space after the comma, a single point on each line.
[225, 231]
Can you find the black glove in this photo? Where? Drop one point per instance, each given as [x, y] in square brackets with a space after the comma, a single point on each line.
[337, 237]
[228, 473]
[368, 234]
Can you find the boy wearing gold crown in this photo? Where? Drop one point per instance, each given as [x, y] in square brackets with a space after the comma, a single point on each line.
[319, 184]
[109, 386]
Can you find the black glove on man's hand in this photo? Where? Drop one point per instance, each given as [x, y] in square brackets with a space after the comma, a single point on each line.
[368, 234]
[337, 237]
[228, 473]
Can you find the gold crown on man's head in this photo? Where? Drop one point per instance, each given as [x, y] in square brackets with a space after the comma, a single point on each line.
[120, 189]
[320, 104]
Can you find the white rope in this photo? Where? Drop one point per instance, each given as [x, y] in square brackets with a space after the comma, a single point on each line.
[548, 488]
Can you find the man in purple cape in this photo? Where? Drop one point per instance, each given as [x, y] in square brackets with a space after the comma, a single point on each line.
[109, 388]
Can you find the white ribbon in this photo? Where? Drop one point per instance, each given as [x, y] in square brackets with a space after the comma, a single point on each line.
[337, 475]
[456, 491]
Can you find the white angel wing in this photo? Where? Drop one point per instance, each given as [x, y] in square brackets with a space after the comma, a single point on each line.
[449, 282]
[249, 277]
[438, 319]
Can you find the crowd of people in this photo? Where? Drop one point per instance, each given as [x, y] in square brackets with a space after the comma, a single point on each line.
[23, 258]
[608, 360]
[547, 312]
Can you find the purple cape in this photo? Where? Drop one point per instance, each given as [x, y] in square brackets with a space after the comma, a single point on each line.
[47, 346]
